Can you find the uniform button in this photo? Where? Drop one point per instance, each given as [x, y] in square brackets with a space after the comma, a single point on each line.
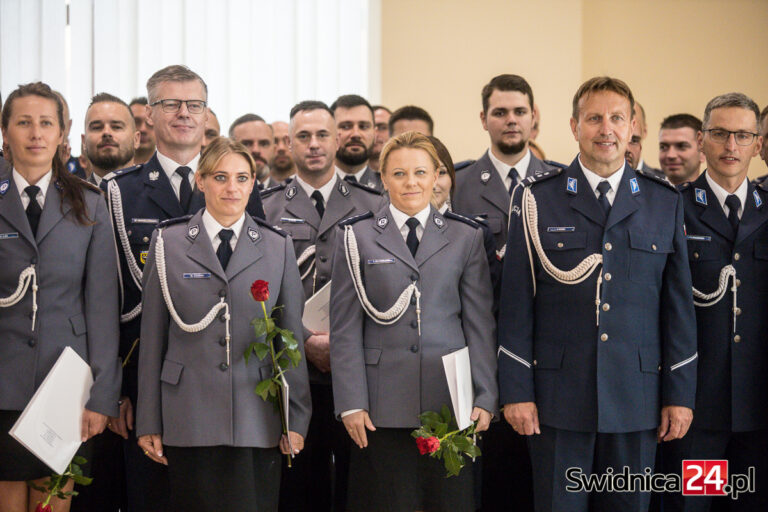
[223, 342]
[737, 311]
[130, 232]
[653, 246]
[413, 300]
[560, 245]
[33, 261]
[606, 306]
[323, 258]
[31, 343]
[414, 348]
[223, 292]
[323, 238]
[223, 317]
[414, 277]
[604, 337]
[738, 282]
[535, 362]
[608, 277]
[145, 239]
[608, 246]
[414, 324]
[695, 255]
[659, 368]
[223, 367]
[736, 257]
[737, 338]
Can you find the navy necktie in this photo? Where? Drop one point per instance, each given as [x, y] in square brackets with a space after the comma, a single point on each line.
[513, 176]
[319, 203]
[33, 208]
[604, 187]
[224, 252]
[412, 241]
[733, 204]
[185, 190]
[350, 178]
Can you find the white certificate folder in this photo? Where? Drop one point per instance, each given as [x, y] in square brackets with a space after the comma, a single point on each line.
[317, 315]
[459, 376]
[49, 427]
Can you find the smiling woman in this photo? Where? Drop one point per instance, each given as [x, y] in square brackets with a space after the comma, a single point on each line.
[226, 178]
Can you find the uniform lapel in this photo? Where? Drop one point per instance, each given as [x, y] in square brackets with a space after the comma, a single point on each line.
[201, 249]
[53, 211]
[300, 206]
[12, 210]
[493, 189]
[584, 200]
[624, 202]
[160, 189]
[339, 207]
[753, 217]
[433, 238]
[712, 213]
[390, 238]
[248, 249]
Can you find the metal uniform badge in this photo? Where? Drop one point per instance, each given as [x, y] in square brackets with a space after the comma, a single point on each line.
[758, 201]
[438, 221]
[633, 186]
[343, 189]
[485, 176]
[4, 185]
[143, 257]
[290, 193]
[701, 196]
[516, 210]
[253, 234]
[573, 186]
[193, 231]
[154, 175]
[382, 222]
[372, 184]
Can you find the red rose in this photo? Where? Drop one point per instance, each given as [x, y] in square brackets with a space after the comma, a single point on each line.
[427, 444]
[260, 290]
[43, 508]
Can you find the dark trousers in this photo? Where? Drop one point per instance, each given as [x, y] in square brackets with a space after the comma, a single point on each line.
[741, 449]
[107, 491]
[318, 479]
[505, 475]
[554, 451]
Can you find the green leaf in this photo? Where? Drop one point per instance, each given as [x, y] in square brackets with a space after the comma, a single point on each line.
[270, 325]
[260, 349]
[461, 443]
[274, 387]
[453, 462]
[262, 388]
[288, 339]
[445, 414]
[441, 429]
[82, 480]
[284, 362]
[430, 419]
[36, 487]
[473, 451]
[294, 356]
[260, 327]
[271, 335]
[77, 459]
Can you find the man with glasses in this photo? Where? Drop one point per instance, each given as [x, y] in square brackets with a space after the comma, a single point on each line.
[139, 197]
[726, 220]
[381, 115]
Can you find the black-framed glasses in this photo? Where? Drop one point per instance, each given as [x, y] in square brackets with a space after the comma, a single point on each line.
[721, 136]
[173, 106]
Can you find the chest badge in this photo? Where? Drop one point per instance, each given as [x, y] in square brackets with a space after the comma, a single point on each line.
[439, 222]
[634, 186]
[290, 193]
[382, 222]
[573, 186]
[143, 257]
[193, 231]
[4, 187]
[485, 176]
[701, 196]
[154, 175]
[343, 189]
[253, 234]
[758, 201]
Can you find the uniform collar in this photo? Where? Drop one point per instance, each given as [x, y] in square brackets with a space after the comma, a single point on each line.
[325, 190]
[503, 169]
[594, 179]
[169, 166]
[358, 175]
[43, 183]
[212, 227]
[401, 217]
[721, 193]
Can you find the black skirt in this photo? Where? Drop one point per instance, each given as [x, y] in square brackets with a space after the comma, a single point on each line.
[391, 475]
[217, 478]
[17, 464]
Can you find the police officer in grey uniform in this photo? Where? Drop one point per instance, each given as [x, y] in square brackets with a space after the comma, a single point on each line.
[354, 123]
[197, 411]
[58, 282]
[310, 208]
[386, 348]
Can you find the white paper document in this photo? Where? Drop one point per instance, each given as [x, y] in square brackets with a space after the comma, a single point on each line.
[459, 377]
[317, 314]
[286, 392]
[49, 427]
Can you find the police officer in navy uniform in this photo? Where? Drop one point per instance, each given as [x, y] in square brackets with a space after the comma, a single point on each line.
[597, 334]
[726, 221]
[310, 208]
[139, 197]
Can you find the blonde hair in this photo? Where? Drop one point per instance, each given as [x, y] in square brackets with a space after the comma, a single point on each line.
[218, 149]
[413, 140]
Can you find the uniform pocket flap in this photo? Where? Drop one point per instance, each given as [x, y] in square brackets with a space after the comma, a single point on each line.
[548, 357]
[78, 324]
[564, 241]
[649, 242]
[650, 360]
[761, 250]
[298, 231]
[171, 372]
[372, 355]
[706, 251]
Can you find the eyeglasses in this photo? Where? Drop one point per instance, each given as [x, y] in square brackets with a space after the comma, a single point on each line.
[721, 136]
[173, 106]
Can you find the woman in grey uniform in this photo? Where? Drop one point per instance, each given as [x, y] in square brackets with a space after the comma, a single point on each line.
[409, 285]
[197, 411]
[58, 283]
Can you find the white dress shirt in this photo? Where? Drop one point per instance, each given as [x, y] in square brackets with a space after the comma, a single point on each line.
[400, 219]
[325, 190]
[594, 179]
[721, 194]
[22, 183]
[169, 166]
[212, 227]
[358, 175]
[521, 167]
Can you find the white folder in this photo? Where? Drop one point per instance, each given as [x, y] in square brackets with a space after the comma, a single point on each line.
[459, 376]
[49, 426]
[317, 310]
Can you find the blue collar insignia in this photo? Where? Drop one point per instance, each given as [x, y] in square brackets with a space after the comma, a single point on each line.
[634, 187]
[572, 186]
[701, 196]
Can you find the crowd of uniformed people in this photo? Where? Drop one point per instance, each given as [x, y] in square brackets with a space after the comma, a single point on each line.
[615, 314]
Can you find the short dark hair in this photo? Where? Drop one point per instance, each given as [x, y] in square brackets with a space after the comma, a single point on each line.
[506, 83]
[139, 100]
[245, 118]
[603, 83]
[105, 97]
[676, 121]
[350, 101]
[410, 112]
[381, 107]
[732, 99]
[309, 105]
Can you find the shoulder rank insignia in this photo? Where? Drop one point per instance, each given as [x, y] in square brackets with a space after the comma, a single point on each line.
[701, 196]
[265, 224]
[290, 192]
[193, 231]
[485, 176]
[58, 186]
[121, 172]
[439, 222]
[154, 175]
[361, 186]
[573, 186]
[634, 187]
[758, 201]
[654, 177]
[169, 222]
[683, 186]
[343, 188]
[367, 215]
[461, 218]
[253, 234]
[4, 186]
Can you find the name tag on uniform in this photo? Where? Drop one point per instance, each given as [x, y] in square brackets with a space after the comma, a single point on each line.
[381, 262]
[560, 229]
[7, 236]
[197, 275]
[289, 220]
[145, 221]
[699, 238]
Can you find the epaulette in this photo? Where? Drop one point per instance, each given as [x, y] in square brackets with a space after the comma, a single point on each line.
[122, 172]
[541, 176]
[364, 187]
[683, 186]
[480, 218]
[351, 220]
[462, 165]
[87, 185]
[763, 185]
[271, 190]
[176, 220]
[653, 177]
[461, 218]
[265, 224]
[760, 179]
[555, 164]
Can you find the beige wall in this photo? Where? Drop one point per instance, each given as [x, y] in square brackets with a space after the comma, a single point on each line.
[675, 54]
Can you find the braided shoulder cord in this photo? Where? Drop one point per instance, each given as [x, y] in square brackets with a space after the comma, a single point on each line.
[27, 276]
[115, 204]
[706, 300]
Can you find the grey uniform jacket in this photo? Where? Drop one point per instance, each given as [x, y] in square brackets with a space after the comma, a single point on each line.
[480, 190]
[77, 298]
[391, 371]
[372, 179]
[187, 392]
